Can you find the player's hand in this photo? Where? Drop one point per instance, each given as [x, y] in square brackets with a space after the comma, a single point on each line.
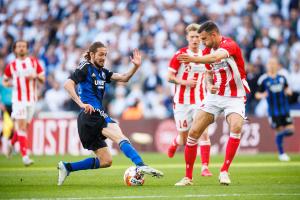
[265, 94]
[212, 89]
[136, 59]
[184, 58]
[190, 83]
[87, 108]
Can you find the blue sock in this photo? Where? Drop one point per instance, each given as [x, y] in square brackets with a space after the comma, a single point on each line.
[89, 163]
[279, 141]
[131, 153]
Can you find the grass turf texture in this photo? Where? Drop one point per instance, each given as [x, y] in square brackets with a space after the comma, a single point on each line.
[253, 177]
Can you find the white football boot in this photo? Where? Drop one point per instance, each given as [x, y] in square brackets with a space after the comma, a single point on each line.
[224, 178]
[62, 173]
[150, 171]
[284, 157]
[184, 182]
[27, 161]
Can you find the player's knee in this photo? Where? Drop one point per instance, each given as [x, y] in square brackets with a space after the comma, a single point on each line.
[21, 126]
[236, 127]
[194, 133]
[106, 162]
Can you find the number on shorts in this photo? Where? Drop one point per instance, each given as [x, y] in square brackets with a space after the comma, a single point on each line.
[183, 124]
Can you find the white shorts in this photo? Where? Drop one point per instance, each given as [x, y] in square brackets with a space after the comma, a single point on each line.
[216, 104]
[184, 115]
[20, 111]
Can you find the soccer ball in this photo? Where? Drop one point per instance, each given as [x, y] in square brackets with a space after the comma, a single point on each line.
[132, 177]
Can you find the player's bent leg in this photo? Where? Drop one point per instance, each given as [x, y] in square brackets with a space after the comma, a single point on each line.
[103, 160]
[21, 126]
[113, 132]
[281, 133]
[104, 156]
[235, 122]
[200, 123]
[180, 139]
[205, 144]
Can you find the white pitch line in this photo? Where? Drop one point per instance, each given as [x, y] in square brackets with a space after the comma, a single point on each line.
[164, 196]
[170, 166]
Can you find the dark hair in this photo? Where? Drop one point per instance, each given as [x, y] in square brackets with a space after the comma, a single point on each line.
[208, 27]
[93, 48]
[15, 44]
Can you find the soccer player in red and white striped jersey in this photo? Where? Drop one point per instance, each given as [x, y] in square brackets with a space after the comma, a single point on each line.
[22, 74]
[227, 88]
[189, 93]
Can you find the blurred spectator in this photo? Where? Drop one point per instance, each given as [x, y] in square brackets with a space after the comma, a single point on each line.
[56, 97]
[133, 112]
[253, 73]
[118, 105]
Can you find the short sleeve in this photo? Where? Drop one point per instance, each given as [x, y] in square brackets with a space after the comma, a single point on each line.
[108, 75]
[80, 74]
[7, 71]
[229, 46]
[174, 63]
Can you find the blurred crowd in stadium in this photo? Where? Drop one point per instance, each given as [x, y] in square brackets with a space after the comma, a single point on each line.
[59, 31]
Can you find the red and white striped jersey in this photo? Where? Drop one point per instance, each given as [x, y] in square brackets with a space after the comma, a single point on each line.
[229, 74]
[184, 94]
[24, 89]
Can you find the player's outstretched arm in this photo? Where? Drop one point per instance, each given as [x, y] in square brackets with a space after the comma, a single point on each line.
[206, 59]
[177, 81]
[209, 82]
[70, 87]
[136, 61]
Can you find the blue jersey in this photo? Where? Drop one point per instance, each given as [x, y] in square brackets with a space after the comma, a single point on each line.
[5, 94]
[278, 104]
[91, 83]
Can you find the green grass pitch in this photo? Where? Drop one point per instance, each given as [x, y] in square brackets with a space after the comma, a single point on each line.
[253, 177]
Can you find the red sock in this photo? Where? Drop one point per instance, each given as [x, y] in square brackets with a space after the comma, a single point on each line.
[14, 138]
[205, 154]
[175, 143]
[190, 154]
[22, 137]
[232, 146]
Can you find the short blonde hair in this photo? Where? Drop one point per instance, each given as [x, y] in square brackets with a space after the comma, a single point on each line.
[192, 27]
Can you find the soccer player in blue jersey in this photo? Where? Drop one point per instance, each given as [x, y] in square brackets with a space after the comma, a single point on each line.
[94, 125]
[274, 87]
